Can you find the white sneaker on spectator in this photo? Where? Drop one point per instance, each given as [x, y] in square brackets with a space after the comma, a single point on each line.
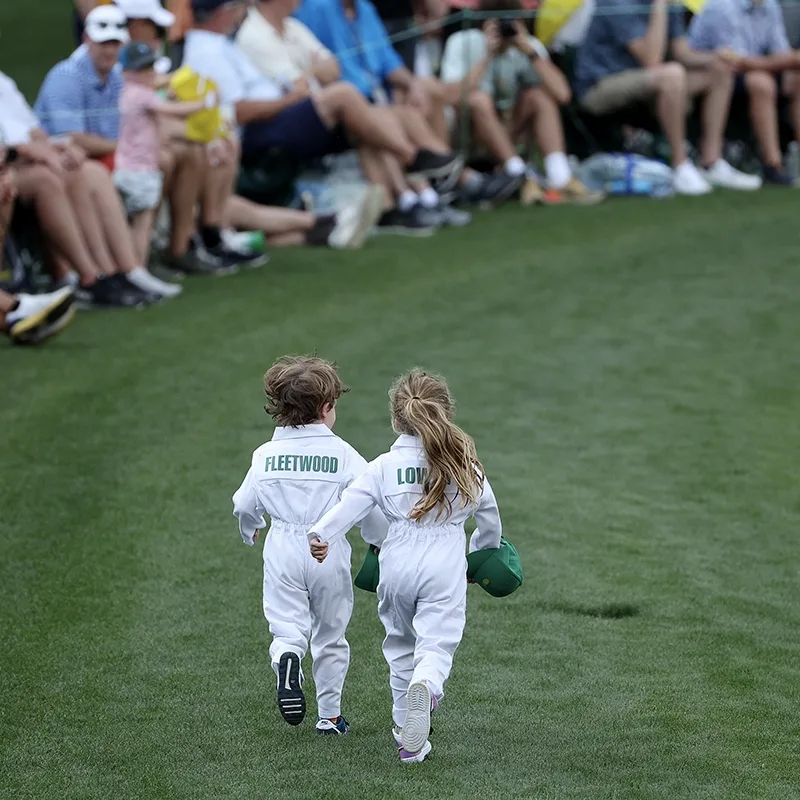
[147, 282]
[40, 316]
[722, 174]
[353, 223]
[244, 243]
[688, 180]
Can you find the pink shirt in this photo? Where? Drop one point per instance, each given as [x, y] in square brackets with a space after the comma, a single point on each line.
[138, 145]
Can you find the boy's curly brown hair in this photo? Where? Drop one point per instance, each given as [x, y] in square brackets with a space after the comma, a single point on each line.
[299, 387]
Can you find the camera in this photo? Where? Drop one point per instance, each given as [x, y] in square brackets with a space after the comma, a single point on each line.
[507, 29]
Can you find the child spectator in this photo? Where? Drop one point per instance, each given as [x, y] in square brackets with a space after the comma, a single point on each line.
[137, 174]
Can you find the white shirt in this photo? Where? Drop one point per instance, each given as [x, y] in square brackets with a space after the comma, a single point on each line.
[17, 119]
[284, 56]
[393, 483]
[296, 477]
[214, 56]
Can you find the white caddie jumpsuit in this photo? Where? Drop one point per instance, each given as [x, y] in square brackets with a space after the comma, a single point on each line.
[295, 478]
[423, 571]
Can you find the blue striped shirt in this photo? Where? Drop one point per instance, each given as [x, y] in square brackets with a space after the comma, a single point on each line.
[750, 29]
[75, 99]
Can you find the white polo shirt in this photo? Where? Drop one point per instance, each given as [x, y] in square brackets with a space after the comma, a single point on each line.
[17, 119]
[215, 56]
[284, 56]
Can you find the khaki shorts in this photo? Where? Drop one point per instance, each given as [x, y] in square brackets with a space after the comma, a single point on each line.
[618, 91]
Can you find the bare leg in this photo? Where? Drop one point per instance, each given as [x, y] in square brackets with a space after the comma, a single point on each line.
[416, 127]
[286, 240]
[80, 195]
[538, 111]
[375, 168]
[715, 85]
[184, 192]
[243, 214]
[218, 186]
[436, 118]
[763, 91]
[6, 212]
[671, 96]
[45, 190]
[111, 214]
[489, 130]
[142, 233]
[341, 103]
[793, 93]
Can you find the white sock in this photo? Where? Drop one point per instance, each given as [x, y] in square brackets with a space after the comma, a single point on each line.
[428, 198]
[557, 169]
[514, 167]
[407, 201]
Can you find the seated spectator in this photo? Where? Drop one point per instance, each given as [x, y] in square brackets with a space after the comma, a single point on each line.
[80, 98]
[284, 49]
[305, 125]
[622, 61]
[32, 318]
[520, 91]
[76, 205]
[751, 36]
[354, 33]
[137, 174]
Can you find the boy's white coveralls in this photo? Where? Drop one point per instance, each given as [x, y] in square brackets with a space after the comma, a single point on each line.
[295, 478]
[422, 592]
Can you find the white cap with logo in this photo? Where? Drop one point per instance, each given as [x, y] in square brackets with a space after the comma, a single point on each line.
[106, 24]
[147, 9]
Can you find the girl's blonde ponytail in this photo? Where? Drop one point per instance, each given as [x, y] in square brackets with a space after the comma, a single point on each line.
[421, 405]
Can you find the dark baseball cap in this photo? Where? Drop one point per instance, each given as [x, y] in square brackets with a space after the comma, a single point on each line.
[137, 56]
[213, 5]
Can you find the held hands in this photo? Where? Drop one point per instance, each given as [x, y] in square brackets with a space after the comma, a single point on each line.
[72, 156]
[729, 58]
[44, 154]
[319, 550]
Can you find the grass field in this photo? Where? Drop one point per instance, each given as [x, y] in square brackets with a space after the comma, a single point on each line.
[630, 374]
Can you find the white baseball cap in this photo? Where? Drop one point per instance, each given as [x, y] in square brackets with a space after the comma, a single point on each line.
[106, 24]
[147, 9]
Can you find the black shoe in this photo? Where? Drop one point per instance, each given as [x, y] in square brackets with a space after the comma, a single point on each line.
[778, 176]
[108, 292]
[237, 257]
[449, 217]
[199, 261]
[416, 222]
[498, 188]
[333, 727]
[149, 298]
[445, 170]
[291, 700]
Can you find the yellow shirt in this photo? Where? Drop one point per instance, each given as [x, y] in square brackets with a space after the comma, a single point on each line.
[206, 125]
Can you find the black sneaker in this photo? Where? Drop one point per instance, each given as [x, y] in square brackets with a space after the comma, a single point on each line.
[445, 170]
[291, 700]
[778, 176]
[198, 261]
[237, 258]
[498, 188]
[449, 217]
[107, 292]
[416, 222]
[125, 285]
[333, 727]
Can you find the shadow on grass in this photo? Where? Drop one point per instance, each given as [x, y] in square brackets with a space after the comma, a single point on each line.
[604, 611]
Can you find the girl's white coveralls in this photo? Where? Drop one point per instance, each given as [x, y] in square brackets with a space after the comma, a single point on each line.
[295, 478]
[423, 570]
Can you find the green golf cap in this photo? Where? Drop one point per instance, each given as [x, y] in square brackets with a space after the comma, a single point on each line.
[497, 571]
[370, 572]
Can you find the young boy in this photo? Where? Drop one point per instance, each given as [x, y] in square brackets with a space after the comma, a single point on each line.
[137, 174]
[295, 478]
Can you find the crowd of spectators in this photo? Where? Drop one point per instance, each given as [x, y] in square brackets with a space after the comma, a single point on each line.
[138, 138]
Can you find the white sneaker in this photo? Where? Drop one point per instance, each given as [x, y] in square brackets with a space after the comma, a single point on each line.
[40, 316]
[417, 724]
[689, 181]
[354, 223]
[147, 282]
[245, 243]
[725, 176]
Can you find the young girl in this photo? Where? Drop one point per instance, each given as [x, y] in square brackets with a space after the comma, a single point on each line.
[295, 478]
[427, 486]
[137, 173]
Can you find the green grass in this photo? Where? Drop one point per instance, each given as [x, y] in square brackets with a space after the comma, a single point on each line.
[630, 374]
